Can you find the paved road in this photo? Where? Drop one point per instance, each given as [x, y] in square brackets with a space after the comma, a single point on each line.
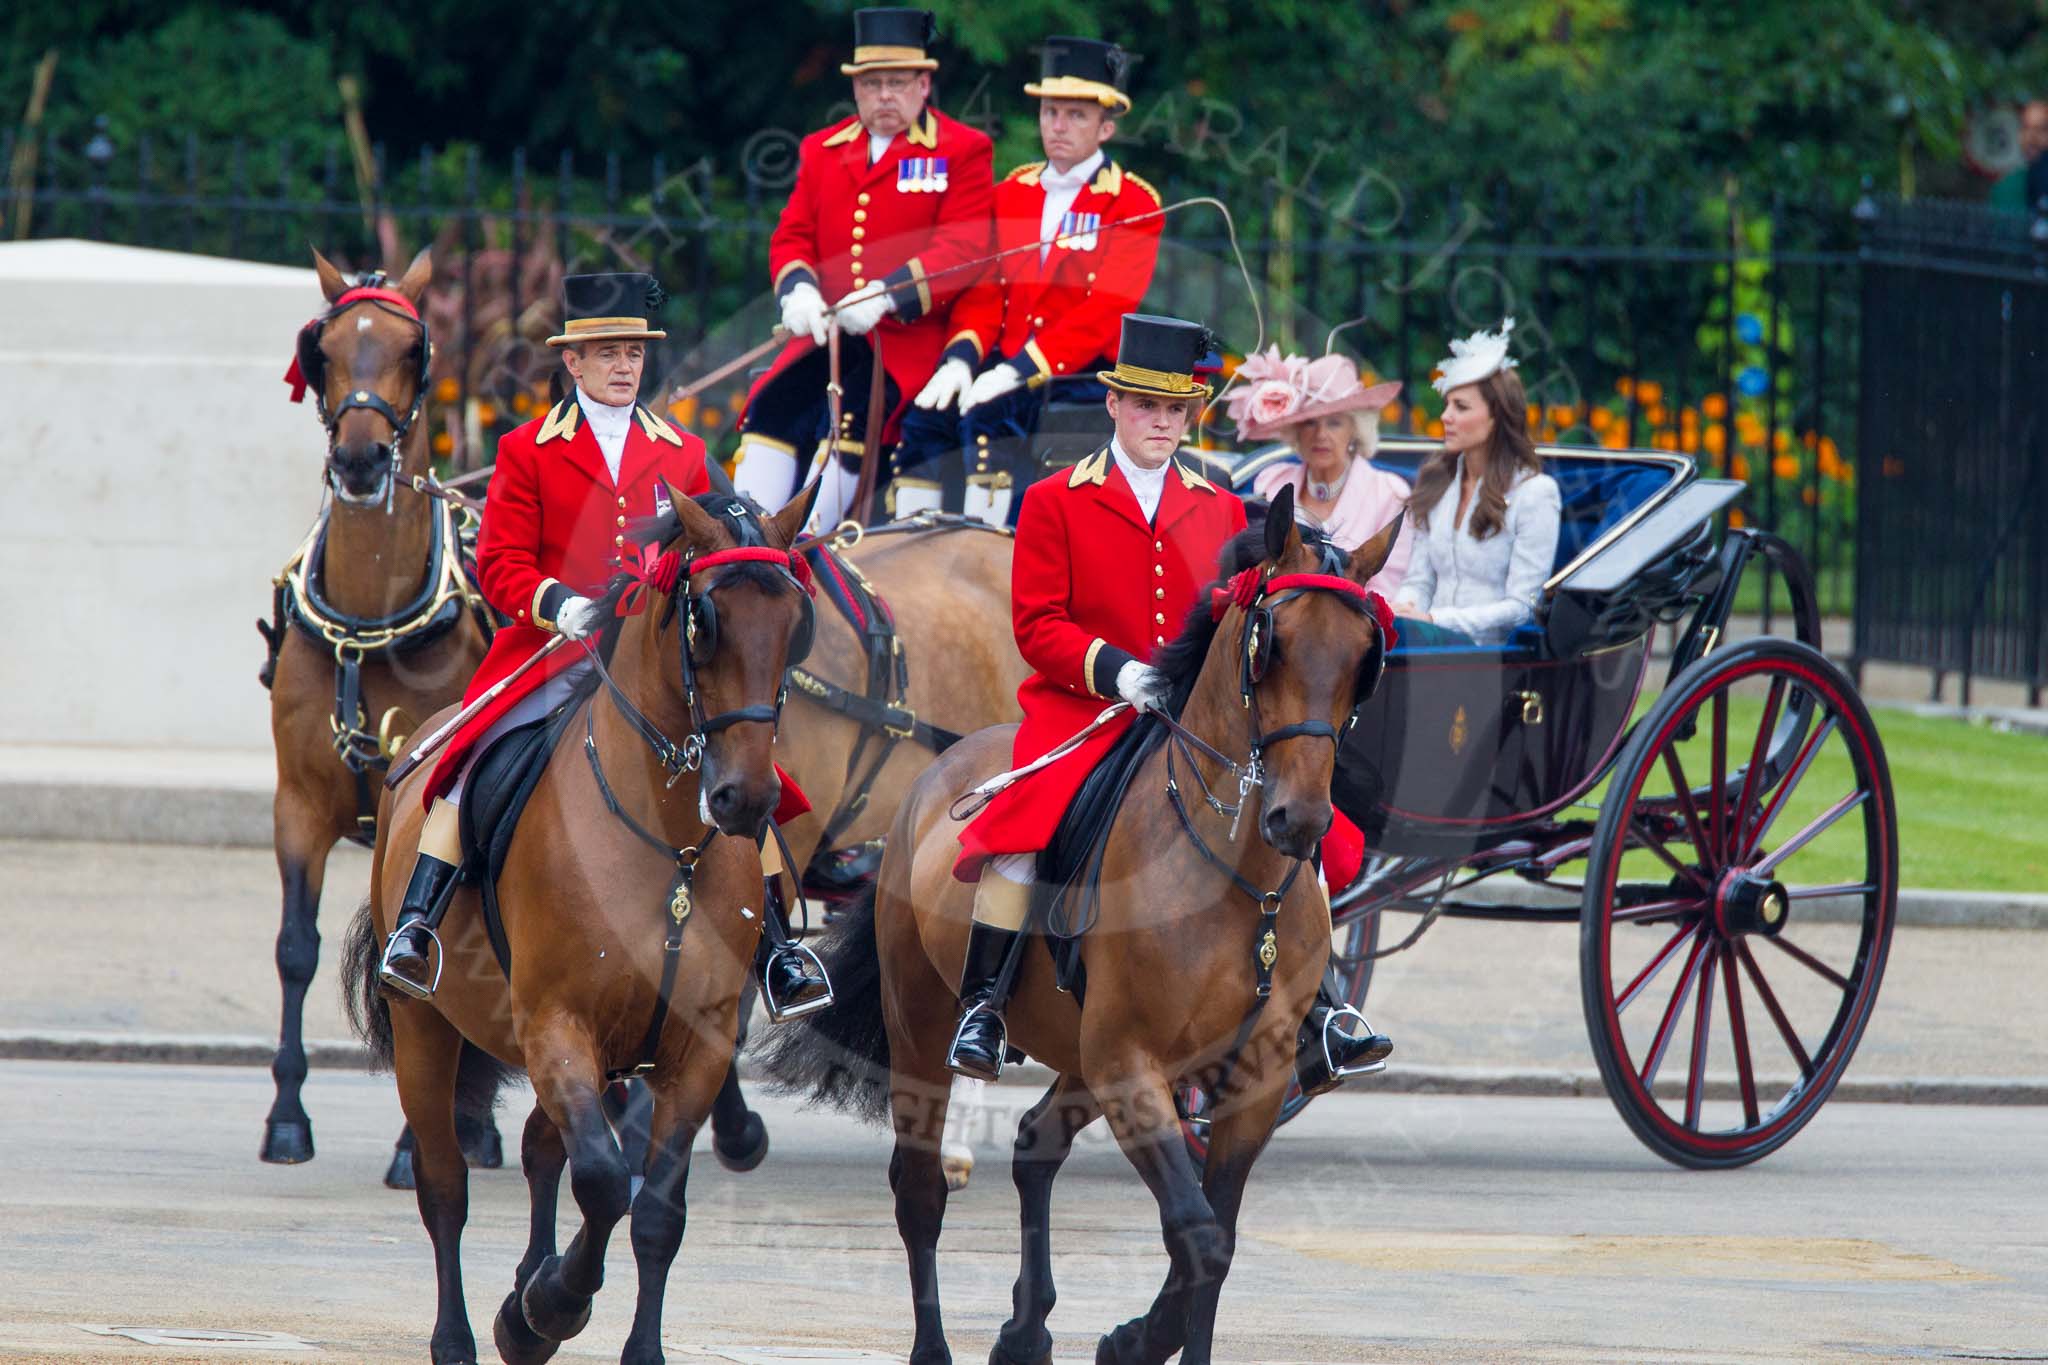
[1380, 1228]
[173, 940]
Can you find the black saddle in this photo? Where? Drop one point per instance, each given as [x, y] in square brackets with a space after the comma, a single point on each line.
[1070, 869]
[501, 781]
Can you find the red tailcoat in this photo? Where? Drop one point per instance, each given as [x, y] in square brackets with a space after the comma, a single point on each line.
[1055, 318]
[848, 223]
[1091, 587]
[555, 526]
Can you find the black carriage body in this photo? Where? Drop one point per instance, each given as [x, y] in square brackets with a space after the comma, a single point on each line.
[1464, 747]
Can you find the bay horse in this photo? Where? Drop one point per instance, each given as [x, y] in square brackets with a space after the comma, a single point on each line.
[644, 819]
[948, 591]
[1206, 947]
[375, 624]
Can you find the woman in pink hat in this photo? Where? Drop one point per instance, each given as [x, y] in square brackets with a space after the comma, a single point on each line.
[1333, 422]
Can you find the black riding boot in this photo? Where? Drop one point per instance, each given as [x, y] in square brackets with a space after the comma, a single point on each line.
[405, 966]
[793, 981]
[1326, 1052]
[979, 1042]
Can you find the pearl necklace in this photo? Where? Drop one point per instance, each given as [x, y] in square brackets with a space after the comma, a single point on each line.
[1325, 492]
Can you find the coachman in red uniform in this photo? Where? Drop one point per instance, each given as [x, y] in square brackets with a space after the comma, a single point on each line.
[1077, 237]
[1108, 561]
[888, 217]
[554, 533]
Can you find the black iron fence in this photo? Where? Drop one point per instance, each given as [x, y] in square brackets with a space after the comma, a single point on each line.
[1731, 335]
[1952, 513]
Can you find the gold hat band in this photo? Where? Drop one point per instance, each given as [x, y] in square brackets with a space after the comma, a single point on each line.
[889, 54]
[1077, 88]
[575, 325]
[1165, 381]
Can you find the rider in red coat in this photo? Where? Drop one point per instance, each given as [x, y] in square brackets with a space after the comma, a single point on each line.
[1108, 561]
[554, 533]
[889, 211]
[1077, 237]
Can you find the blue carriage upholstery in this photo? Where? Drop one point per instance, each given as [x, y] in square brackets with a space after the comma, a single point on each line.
[1597, 490]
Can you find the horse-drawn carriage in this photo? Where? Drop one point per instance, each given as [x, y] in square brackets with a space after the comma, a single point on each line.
[1710, 823]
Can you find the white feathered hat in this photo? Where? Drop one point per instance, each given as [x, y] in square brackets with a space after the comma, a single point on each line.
[1475, 358]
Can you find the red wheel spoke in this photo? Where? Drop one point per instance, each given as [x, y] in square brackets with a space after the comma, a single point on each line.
[1739, 1035]
[1758, 752]
[1720, 777]
[1812, 831]
[1792, 779]
[1657, 909]
[1686, 806]
[1648, 1075]
[1799, 954]
[1702, 1029]
[1777, 1011]
[1656, 846]
[1648, 973]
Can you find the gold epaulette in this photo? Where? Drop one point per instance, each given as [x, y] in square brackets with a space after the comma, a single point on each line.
[560, 421]
[1028, 172]
[1133, 178]
[658, 429]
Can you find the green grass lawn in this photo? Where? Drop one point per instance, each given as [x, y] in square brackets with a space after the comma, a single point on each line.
[1972, 803]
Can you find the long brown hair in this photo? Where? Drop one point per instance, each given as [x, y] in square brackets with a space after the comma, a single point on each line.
[1508, 453]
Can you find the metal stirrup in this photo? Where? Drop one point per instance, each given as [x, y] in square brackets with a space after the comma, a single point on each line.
[776, 1009]
[1002, 1034]
[1342, 1072]
[398, 981]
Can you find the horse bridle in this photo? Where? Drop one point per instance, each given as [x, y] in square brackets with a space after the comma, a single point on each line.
[699, 640]
[310, 371]
[1255, 652]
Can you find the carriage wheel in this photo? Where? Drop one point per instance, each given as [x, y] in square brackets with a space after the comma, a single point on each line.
[1752, 796]
[1355, 941]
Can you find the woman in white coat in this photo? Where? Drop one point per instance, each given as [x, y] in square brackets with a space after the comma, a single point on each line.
[1485, 513]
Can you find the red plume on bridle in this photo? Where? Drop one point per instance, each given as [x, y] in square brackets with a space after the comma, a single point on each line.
[1245, 588]
[649, 568]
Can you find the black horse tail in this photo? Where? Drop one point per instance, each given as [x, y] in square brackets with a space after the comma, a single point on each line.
[479, 1077]
[840, 1056]
[369, 1013]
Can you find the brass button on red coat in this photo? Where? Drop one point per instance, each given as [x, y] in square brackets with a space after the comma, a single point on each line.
[1159, 592]
[1157, 545]
[863, 197]
[1158, 618]
[622, 502]
[1159, 571]
[618, 540]
[859, 233]
[861, 215]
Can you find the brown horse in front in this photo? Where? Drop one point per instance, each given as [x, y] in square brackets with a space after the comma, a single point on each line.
[1172, 960]
[371, 562]
[587, 897]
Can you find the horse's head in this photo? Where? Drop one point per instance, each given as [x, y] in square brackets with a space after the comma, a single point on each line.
[366, 360]
[1310, 649]
[738, 615]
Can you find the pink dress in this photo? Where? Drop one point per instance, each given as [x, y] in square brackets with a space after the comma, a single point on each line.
[1368, 500]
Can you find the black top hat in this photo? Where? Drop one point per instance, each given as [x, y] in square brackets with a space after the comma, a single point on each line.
[891, 39]
[613, 307]
[1083, 69]
[1158, 356]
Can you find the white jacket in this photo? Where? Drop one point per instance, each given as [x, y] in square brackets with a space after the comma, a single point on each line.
[1484, 587]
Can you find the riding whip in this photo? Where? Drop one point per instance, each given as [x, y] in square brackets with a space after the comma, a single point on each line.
[404, 767]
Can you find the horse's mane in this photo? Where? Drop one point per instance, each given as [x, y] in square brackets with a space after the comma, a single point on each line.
[1180, 659]
[741, 517]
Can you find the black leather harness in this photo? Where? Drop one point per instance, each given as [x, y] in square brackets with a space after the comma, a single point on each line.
[299, 602]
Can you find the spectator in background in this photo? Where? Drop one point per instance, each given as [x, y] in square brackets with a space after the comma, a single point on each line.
[2022, 188]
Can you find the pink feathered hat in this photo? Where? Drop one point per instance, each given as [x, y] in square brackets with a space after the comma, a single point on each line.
[1275, 392]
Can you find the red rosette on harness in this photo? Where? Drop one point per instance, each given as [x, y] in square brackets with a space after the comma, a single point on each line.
[1241, 591]
[649, 569]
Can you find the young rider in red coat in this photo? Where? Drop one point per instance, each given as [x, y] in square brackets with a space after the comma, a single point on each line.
[1108, 561]
[1078, 235]
[566, 486]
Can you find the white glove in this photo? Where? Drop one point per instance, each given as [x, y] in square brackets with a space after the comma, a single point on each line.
[862, 308]
[947, 387]
[994, 384]
[1143, 686]
[578, 618]
[803, 312]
